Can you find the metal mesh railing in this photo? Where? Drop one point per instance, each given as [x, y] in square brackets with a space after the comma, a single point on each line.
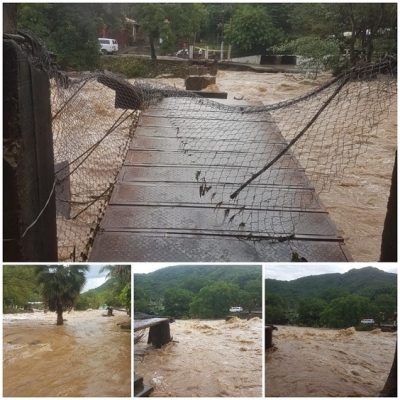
[321, 133]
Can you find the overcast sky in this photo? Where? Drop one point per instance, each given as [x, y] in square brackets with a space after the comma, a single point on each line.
[93, 278]
[291, 271]
[283, 272]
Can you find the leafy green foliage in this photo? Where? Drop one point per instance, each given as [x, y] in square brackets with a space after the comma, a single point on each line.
[115, 291]
[60, 286]
[334, 300]
[372, 26]
[346, 311]
[195, 283]
[19, 285]
[317, 53]
[254, 291]
[309, 310]
[206, 291]
[125, 297]
[71, 30]
[159, 281]
[177, 301]
[169, 21]
[214, 301]
[253, 28]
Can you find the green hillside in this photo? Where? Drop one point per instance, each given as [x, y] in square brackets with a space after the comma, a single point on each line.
[159, 281]
[368, 281]
[336, 300]
[201, 291]
[104, 287]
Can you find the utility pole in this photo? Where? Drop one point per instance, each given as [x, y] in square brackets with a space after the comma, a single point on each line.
[222, 32]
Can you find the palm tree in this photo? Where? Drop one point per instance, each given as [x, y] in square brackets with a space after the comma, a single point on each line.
[60, 286]
[121, 273]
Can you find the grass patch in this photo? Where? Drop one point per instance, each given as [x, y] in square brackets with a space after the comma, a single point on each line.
[139, 67]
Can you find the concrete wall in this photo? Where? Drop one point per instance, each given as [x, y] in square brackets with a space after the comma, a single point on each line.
[248, 60]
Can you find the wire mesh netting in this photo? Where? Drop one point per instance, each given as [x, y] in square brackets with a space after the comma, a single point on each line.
[277, 157]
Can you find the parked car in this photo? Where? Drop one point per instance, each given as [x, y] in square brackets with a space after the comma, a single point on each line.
[367, 321]
[107, 46]
[236, 309]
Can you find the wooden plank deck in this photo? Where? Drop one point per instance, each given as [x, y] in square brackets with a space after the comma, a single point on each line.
[156, 214]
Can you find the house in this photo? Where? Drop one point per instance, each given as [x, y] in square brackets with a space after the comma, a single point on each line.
[127, 36]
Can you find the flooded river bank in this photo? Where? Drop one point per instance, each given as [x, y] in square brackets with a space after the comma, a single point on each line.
[88, 356]
[309, 362]
[208, 358]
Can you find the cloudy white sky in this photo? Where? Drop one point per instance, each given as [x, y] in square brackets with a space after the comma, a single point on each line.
[285, 272]
[93, 278]
[290, 272]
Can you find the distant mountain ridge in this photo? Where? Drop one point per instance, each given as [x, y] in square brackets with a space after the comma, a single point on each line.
[171, 277]
[367, 282]
[103, 287]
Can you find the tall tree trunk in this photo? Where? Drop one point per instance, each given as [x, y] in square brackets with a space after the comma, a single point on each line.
[153, 50]
[59, 315]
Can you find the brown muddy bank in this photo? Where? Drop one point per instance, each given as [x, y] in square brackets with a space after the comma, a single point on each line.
[308, 362]
[208, 358]
[88, 356]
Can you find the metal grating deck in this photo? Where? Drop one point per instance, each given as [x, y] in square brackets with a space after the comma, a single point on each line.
[156, 214]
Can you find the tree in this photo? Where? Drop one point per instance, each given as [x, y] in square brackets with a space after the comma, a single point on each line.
[195, 283]
[371, 25]
[309, 311]
[120, 273]
[169, 21]
[71, 30]
[275, 315]
[386, 305]
[177, 301]
[120, 277]
[253, 28]
[346, 311]
[125, 297]
[317, 52]
[254, 289]
[141, 300]
[60, 286]
[214, 301]
[332, 293]
[18, 285]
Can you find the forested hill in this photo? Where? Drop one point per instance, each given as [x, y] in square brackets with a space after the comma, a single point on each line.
[368, 282]
[159, 281]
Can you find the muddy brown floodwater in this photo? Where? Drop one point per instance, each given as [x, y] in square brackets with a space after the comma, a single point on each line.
[88, 356]
[208, 358]
[357, 204]
[309, 362]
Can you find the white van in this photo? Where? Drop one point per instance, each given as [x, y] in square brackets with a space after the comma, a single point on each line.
[107, 46]
[236, 309]
[367, 321]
